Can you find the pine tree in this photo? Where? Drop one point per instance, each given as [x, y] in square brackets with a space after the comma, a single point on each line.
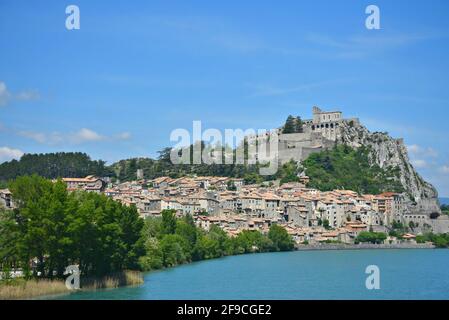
[298, 125]
[289, 126]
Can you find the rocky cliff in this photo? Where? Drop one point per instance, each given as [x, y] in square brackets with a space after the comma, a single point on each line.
[386, 151]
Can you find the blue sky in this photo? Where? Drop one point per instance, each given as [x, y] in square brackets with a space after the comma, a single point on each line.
[117, 87]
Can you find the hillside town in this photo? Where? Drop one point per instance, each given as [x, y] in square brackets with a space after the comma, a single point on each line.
[309, 215]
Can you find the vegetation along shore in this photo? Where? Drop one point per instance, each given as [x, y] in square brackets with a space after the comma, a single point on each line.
[50, 229]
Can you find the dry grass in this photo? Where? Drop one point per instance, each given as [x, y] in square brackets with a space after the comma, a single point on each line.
[119, 279]
[21, 289]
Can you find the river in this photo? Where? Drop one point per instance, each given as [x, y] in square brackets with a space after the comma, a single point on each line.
[404, 274]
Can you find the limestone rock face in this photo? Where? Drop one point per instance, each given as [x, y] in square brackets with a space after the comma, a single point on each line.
[420, 195]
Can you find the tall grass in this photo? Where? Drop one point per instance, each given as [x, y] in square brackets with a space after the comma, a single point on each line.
[115, 280]
[20, 289]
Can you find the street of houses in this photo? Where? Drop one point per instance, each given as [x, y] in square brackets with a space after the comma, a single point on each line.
[308, 215]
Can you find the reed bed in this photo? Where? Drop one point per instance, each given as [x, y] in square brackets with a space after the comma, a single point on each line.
[20, 289]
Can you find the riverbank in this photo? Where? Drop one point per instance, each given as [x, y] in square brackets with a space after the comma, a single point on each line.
[20, 289]
[295, 275]
[364, 246]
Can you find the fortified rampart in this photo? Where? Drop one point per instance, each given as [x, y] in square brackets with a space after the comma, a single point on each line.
[318, 134]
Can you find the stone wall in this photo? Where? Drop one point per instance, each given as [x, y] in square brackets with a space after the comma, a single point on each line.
[440, 225]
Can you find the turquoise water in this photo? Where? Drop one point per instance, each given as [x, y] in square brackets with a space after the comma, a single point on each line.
[404, 274]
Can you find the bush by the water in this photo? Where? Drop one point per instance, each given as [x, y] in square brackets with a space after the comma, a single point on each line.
[371, 237]
[53, 229]
[170, 241]
[439, 240]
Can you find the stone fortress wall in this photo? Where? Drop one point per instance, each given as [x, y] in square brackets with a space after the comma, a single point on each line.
[319, 133]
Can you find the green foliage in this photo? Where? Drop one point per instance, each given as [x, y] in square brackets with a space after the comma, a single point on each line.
[53, 165]
[289, 126]
[231, 186]
[326, 224]
[398, 229]
[190, 243]
[168, 221]
[292, 125]
[59, 229]
[288, 172]
[439, 240]
[252, 178]
[371, 237]
[346, 168]
[397, 225]
[282, 241]
[445, 209]
[174, 250]
[252, 241]
[153, 259]
[125, 170]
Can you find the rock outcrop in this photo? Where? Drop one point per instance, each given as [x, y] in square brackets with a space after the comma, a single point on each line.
[386, 151]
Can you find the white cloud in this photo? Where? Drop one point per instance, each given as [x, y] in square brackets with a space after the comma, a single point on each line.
[28, 95]
[40, 137]
[86, 135]
[83, 135]
[432, 152]
[36, 136]
[445, 169]
[7, 154]
[419, 163]
[360, 46]
[124, 136]
[415, 149]
[6, 96]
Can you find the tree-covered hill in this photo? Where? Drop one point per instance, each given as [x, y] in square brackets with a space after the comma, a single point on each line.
[53, 165]
[162, 166]
[346, 168]
[340, 168]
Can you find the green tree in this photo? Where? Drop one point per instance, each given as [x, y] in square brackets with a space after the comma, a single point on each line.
[59, 229]
[289, 126]
[53, 165]
[298, 125]
[371, 237]
[288, 172]
[252, 241]
[174, 250]
[168, 221]
[153, 259]
[187, 231]
[282, 241]
[9, 240]
[231, 186]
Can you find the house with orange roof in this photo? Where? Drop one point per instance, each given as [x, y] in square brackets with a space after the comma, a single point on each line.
[89, 183]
